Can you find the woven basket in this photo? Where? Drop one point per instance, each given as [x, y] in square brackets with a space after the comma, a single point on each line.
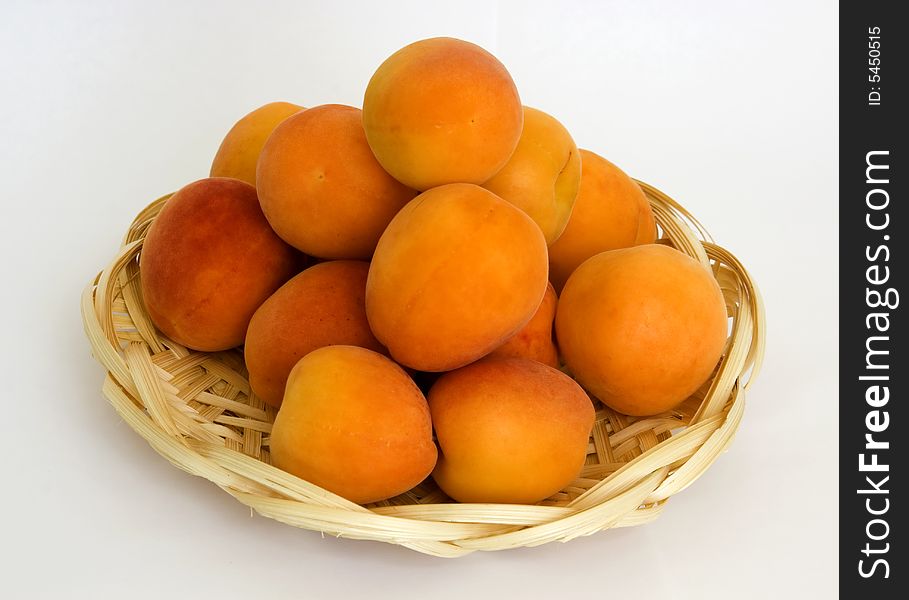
[196, 410]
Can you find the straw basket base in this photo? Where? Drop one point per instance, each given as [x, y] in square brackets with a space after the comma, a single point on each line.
[196, 410]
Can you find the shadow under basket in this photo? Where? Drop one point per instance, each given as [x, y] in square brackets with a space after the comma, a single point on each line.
[196, 410]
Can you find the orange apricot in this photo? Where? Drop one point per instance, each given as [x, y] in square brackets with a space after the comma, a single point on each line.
[440, 111]
[647, 228]
[641, 328]
[355, 424]
[457, 272]
[322, 306]
[542, 176]
[510, 430]
[535, 339]
[610, 212]
[322, 189]
[239, 151]
[209, 260]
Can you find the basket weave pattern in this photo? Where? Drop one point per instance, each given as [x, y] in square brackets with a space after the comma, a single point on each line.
[196, 410]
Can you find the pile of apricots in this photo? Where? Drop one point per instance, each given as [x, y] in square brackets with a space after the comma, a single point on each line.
[440, 284]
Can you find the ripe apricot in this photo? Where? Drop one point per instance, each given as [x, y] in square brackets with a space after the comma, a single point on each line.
[322, 306]
[535, 339]
[440, 111]
[647, 229]
[457, 272]
[641, 328]
[322, 189]
[209, 260]
[355, 424]
[542, 176]
[610, 212]
[239, 151]
[509, 430]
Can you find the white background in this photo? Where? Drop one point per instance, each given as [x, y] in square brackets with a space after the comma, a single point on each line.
[729, 106]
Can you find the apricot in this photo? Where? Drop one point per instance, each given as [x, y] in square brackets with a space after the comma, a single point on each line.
[542, 176]
[610, 212]
[641, 328]
[647, 229]
[440, 111]
[322, 189]
[510, 430]
[322, 306]
[239, 151]
[209, 260]
[457, 272]
[535, 339]
[355, 424]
